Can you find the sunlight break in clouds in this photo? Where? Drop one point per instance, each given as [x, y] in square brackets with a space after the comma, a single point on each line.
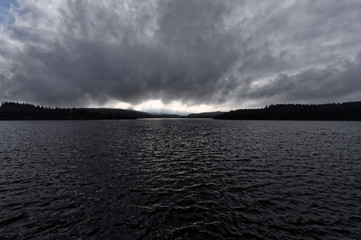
[180, 56]
[158, 107]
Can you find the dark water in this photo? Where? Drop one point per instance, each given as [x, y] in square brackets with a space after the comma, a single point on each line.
[180, 179]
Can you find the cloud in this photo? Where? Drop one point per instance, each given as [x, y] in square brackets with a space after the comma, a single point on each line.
[215, 52]
[332, 83]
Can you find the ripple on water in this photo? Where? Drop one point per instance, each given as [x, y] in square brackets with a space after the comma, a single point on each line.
[180, 179]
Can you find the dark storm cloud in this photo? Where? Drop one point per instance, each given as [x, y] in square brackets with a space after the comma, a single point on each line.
[314, 85]
[79, 52]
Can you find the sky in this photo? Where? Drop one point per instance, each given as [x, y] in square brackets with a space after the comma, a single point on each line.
[179, 56]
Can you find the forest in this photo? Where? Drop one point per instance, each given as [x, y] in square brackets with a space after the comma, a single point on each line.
[349, 111]
[24, 111]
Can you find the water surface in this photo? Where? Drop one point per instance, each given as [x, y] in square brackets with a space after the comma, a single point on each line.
[180, 179]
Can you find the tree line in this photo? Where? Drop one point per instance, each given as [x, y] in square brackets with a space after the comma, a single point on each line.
[349, 111]
[25, 111]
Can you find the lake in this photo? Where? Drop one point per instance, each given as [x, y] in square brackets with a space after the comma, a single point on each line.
[180, 179]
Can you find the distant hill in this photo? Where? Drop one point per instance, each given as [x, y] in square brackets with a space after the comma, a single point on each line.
[24, 111]
[204, 115]
[350, 111]
[164, 115]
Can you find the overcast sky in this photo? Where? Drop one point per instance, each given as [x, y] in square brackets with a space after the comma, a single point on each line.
[179, 55]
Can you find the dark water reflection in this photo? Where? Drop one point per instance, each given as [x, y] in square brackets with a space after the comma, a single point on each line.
[180, 179]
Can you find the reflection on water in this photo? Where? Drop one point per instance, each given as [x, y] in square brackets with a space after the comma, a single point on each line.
[184, 179]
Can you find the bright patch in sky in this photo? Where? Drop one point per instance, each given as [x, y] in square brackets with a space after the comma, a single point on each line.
[173, 107]
[5, 16]
[176, 107]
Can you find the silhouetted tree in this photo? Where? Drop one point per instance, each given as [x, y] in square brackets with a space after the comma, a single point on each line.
[24, 111]
[350, 111]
